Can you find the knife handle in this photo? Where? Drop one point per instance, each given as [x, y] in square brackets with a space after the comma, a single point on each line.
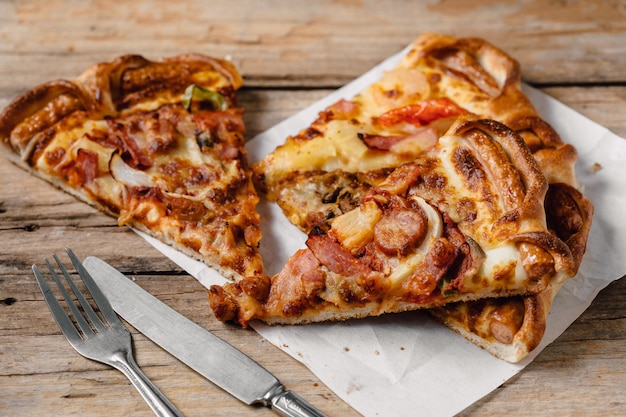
[288, 404]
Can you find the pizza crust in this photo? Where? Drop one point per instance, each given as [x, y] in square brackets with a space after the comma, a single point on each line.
[475, 322]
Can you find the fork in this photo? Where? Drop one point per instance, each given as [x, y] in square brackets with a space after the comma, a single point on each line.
[106, 341]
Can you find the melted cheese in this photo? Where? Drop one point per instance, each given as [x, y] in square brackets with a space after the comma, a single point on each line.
[499, 261]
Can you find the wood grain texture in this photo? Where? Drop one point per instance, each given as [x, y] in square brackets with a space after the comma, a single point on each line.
[277, 43]
[290, 55]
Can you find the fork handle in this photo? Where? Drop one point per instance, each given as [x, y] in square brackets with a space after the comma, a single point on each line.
[158, 402]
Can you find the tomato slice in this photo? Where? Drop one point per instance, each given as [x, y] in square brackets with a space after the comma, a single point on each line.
[421, 113]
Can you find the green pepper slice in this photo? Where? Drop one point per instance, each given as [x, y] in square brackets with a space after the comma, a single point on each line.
[195, 92]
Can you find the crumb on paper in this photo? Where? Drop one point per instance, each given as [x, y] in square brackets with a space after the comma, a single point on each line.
[347, 349]
[595, 168]
[376, 352]
[353, 387]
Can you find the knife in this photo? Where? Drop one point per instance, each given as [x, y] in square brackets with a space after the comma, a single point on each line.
[201, 350]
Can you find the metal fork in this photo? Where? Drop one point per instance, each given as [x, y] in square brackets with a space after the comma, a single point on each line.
[105, 341]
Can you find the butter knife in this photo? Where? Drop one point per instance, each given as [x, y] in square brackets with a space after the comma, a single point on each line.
[201, 350]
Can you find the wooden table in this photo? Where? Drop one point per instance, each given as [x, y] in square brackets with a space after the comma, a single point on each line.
[291, 54]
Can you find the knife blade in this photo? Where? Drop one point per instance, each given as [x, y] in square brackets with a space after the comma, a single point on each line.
[201, 350]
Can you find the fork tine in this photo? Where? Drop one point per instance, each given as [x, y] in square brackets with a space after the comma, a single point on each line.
[101, 301]
[80, 320]
[58, 312]
[95, 320]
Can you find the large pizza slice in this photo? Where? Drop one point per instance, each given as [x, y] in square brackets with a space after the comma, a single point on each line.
[157, 144]
[326, 169]
[462, 221]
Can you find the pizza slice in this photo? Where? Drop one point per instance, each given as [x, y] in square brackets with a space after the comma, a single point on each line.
[313, 180]
[156, 144]
[462, 221]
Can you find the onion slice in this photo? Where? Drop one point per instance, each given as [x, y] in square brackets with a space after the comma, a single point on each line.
[126, 175]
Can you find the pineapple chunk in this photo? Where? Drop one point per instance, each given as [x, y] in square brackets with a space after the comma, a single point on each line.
[355, 228]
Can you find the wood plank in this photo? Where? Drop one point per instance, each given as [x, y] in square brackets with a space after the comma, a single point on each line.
[319, 44]
[603, 105]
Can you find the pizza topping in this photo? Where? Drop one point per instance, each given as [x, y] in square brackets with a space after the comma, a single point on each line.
[130, 142]
[564, 215]
[506, 320]
[340, 192]
[400, 230]
[224, 306]
[538, 264]
[297, 284]
[496, 318]
[431, 270]
[197, 93]
[422, 139]
[126, 175]
[86, 168]
[342, 110]
[355, 228]
[256, 286]
[334, 256]
[421, 113]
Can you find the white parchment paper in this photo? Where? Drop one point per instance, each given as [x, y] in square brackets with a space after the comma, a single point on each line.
[398, 363]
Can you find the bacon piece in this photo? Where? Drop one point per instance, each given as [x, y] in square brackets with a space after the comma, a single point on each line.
[341, 110]
[88, 163]
[105, 139]
[424, 139]
[131, 153]
[421, 113]
[380, 142]
[297, 283]
[84, 170]
[469, 257]
[334, 256]
[397, 183]
[221, 124]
